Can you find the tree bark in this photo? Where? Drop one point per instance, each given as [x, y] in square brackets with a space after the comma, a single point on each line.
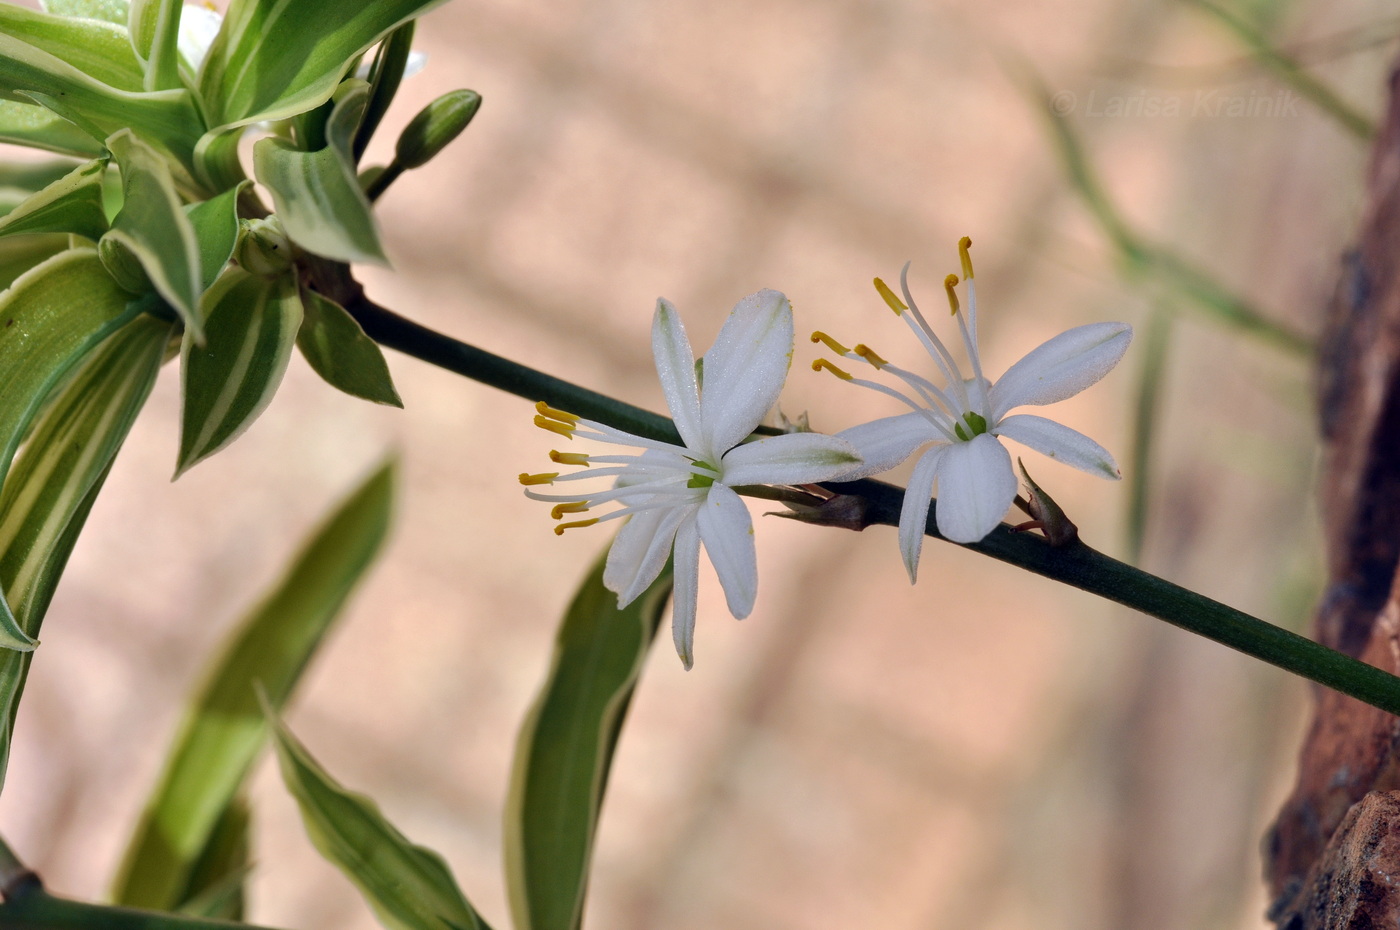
[1333, 854]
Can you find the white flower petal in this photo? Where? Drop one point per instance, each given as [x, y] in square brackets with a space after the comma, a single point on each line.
[1061, 367]
[745, 368]
[675, 366]
[885, 443]
[1060, 443]
[913, 515]
[795, 458]
[686, 592]
[975, 486]
[727, 532]
[639, 552]
[198, 27]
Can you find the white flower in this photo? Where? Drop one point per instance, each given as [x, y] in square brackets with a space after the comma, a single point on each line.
[960, 424]
[679, 496]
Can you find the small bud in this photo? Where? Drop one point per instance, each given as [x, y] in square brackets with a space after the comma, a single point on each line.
[435, 126]
[123, 265]
[263, 249]
[1047, 515]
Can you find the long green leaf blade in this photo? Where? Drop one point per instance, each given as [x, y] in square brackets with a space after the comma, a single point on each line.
[71, 204]
[97, 49]
[19, 254]
[224, 729]
[33, 126]
[408, 886]
[274, 59]
[251, 328]
[215, 223]
[565, 750]
[46, 498]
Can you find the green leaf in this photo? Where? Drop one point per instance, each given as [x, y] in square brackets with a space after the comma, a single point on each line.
[565, 750]
[33, 176]
[215, 223]
[224, 729]
[317, 194]
[19, 254]
[154, 226]
[50, 318]
[46, 497]
[384, 78]
[109, 11]
[155, 34]
[216, 884]
[341, 353]
[97, 49]
[72, 204]
[275, 59]
[35, 909]
[249, 333]
[409, 887]
[168, 117]
[34, 126]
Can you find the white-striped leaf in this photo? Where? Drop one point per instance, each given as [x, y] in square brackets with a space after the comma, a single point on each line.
[340, 352]
[408, 886]
[71, 204]
[33, 126]
[250, 327]
[154, 226]
[47, 495]
[274, 59]
[224, 729]
[96, 48]
[109, 11]
[317, 195]
[155, 32]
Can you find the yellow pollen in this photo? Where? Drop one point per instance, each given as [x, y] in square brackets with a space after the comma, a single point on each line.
[546, 478]
[559, 530]
[830, 343]
[895, 303]
[567, 458]
[964, 244]
[822, 363]
[561, 509]
[553, 414]
[949, 283]
[867, 353]
[554, 426]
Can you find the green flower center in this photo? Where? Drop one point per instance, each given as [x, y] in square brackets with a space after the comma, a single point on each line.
[976, 426]
[703, 481]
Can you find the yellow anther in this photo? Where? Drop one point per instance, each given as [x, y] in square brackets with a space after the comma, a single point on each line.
[554, 426]
[949, 283]
[546, 478]
[830, 343]
[867, 353]
[567, 458]
[822, 363]
[554, 414]
[895, 303]
[561, 509]
[964, 244]
[559, 530]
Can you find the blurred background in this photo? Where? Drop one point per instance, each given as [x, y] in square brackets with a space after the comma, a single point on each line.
[985, 750]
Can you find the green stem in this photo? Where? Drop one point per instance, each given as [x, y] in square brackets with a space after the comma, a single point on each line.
[39, 910]
[1076, 564]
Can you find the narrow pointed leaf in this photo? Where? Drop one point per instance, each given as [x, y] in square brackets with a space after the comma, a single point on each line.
[32, 176]
[275, 59]
[46, 497]
[216, 884]
[251, 328]
[565, 750]
[97, 49]
[340, 352]
[72, 204]
[33, 126]
[408, 886]
[215, 224]
[317, 194]
[153, 224]
[224, 729]
[385, 77]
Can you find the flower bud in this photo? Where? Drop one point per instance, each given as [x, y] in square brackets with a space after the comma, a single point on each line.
[435, 126]
[123, 265]
[263, 249]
